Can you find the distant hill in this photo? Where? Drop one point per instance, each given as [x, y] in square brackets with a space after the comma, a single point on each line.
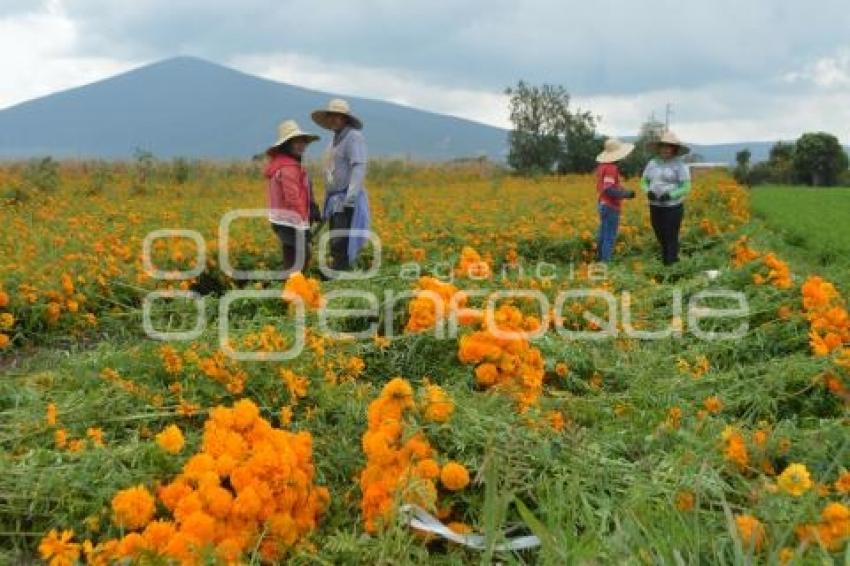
[190, 107]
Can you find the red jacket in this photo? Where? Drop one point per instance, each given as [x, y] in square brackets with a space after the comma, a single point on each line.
[607, 175]
[289, 192]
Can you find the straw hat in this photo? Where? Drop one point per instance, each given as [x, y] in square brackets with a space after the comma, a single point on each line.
[614, 150]
[336, 106]
[669, 138]
[288, 130]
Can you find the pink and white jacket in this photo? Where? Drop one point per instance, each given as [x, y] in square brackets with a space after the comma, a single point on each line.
[289, 192]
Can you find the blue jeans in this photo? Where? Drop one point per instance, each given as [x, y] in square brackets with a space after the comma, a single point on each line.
[609, 222]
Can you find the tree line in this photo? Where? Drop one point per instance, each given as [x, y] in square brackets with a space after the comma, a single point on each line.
[816, 159]
[550, 136]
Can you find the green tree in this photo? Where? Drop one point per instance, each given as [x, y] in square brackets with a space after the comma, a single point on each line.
[819, 159]
[634, 164]
[547, 135]
[742, 165]
[581, 144]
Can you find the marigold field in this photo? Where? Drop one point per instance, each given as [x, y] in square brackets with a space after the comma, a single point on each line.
[120, 447]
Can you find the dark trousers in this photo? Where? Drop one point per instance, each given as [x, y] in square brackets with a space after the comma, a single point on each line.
[339, 244]
[290, 239]
[666, 222]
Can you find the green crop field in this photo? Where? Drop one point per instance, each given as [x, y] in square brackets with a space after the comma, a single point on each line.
[687, 447]
[817, 220]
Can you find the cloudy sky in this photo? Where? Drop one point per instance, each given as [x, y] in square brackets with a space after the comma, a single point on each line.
[733, 70]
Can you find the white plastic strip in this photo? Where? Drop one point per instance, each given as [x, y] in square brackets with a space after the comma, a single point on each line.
[421, 520]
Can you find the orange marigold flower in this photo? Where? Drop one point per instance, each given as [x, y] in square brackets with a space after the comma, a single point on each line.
[454, 476]
[133, 508]
[96, 435]
[399, 390]
[842, 484]
[735, 449]
[428, 469]
[795, 480]
[286, 416]
[158, 534]
[309, 290]
[245, 414]
[438, 405]
[4, 340]
[51, 414]
[486, 374]
[685, 501]
[57, 549]
[171, 439]
[713, 404]
[7, 320]
[556, 420]
[751, 532]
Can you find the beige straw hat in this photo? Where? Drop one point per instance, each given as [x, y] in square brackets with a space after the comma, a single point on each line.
[336, 106]
[669, 138]
[614, 150]
[288, 130]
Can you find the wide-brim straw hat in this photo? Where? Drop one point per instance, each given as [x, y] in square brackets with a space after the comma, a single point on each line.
[289, 130]
[669, 138]
[336, 106]
[614, 150]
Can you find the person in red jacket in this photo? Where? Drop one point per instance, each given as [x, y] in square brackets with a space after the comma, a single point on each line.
[610, 195]
[290, 196]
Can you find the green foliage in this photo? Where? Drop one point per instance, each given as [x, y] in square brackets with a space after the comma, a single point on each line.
[42, 174]
[819, 159]
[547, 135]
[635, 162]
[815, 159]
[815, 220]
[742, 165]
[101, 177]
[144, 165]
[180, 170]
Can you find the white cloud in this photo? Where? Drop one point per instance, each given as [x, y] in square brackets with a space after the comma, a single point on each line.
[457, 65]
[384, 84]
[831, 72]
[37, 57]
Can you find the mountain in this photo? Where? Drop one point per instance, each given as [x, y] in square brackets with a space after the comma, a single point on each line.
[190, 107]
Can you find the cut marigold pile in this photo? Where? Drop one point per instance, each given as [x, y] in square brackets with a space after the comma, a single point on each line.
[251, 484]
[508, 363]
[434, 301]
[400, 464]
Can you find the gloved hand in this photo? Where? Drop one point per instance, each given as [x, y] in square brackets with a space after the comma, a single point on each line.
[652, 196]
[629, 194]
[664, 198]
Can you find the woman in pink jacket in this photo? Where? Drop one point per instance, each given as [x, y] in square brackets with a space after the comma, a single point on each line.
[290, 196]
